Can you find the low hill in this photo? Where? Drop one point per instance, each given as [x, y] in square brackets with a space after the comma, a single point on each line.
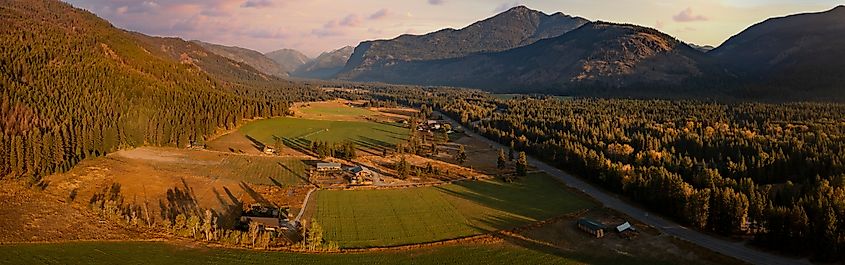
[799, 56]
[288, 59]
[514, 28]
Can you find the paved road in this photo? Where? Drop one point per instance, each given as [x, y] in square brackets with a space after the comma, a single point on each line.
[737, 250]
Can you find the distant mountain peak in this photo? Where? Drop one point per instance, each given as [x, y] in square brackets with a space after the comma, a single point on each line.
[516, 27]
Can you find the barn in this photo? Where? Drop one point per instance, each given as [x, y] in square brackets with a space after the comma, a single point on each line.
[592, 227]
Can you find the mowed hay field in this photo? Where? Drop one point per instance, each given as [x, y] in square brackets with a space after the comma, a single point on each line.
[299, 133]
[259, 170]
[374, 218]
[163, 253]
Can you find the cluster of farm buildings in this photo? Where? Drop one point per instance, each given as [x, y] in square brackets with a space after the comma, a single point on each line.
[336, 173]
[599, 229]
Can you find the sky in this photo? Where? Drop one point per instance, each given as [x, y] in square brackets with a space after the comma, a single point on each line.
[315, 26]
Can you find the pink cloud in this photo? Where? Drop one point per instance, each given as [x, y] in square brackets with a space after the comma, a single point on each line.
[382, 13]
[350, 21]
[687, 15]
[257, 3]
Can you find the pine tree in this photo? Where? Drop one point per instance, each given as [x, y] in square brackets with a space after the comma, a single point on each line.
[522, 164]
[461, 156]
[502, 161]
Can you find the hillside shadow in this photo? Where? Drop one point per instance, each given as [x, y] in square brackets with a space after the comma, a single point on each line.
[300, 176]
[298, 144]
[231, 209]
[367, 147]
[375, 142]
[391, 133]
[394, 124]
[258, 145]
[505, 197]
[254, 195]
[179, 200]
[528, 240]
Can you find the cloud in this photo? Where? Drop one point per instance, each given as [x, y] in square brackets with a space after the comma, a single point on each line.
[659, 24]
[257, 3]
[505, 6]
[436, 2]
[688, 16]
[384, 12]
[351, 20]
[337, 28]
[138, 7]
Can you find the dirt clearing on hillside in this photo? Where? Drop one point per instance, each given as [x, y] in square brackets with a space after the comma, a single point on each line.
[160, 180]
[34, 216]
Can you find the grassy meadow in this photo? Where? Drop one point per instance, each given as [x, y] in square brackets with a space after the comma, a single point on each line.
[372, 218]
[299, 133]
[163, 253]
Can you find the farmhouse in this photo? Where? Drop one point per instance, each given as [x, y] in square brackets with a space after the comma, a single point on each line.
[361, 175]
[361, 171]
[264, 223]
[327, 167]
[260, 210]
[592, 227]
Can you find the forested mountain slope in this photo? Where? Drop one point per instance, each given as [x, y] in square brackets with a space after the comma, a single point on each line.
[597, 59]
[252, 58]
[802, 56]
[513, 28]
[327, 65]
[73, 86]
[288, 59]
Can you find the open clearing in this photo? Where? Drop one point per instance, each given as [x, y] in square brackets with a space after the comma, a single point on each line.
[163, 253]
[373, 218]
[299, 133]
[165, 178]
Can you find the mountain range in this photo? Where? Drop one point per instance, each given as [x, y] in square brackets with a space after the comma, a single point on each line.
[797, 57]
[514, 28]
[527, 51]
[285, 62]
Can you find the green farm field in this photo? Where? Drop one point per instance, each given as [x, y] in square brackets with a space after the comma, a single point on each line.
[373, 218]
[163, 253]
[299, 133]
[336, 110]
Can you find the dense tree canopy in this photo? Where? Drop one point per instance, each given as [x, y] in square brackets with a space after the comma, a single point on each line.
[73, 87]
[773, 171]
